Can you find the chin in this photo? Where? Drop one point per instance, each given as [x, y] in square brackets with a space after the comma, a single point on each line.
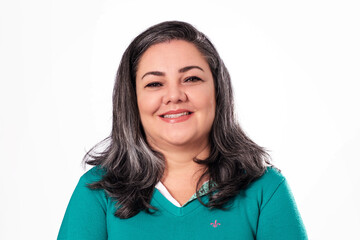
[179, 140]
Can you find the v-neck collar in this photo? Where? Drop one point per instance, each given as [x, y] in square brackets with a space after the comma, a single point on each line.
[163, 202]
[188, 207]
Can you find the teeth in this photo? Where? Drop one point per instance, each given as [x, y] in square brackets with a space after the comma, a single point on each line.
[176, 115]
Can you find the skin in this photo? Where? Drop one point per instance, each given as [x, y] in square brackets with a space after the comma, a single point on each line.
[171, 76]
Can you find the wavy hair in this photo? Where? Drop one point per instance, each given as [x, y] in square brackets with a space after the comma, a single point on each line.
[132, 168]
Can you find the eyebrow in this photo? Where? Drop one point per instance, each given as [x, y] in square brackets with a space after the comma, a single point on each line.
[181, 70]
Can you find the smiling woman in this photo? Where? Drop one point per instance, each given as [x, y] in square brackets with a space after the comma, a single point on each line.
[178, 165]
[177, 107]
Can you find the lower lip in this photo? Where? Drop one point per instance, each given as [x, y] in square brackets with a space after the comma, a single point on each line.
[176, 120]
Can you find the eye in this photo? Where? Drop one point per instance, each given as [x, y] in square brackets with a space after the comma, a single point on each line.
[154, 84]
[192, 79]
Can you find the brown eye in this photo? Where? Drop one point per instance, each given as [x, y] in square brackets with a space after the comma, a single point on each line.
[192, 79]
[154, 84]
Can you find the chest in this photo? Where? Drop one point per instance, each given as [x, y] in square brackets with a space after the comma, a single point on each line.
[197, 223]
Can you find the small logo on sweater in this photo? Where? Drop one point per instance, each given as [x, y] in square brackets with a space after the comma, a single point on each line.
[215, 224]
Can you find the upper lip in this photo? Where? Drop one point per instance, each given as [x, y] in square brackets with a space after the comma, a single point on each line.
[175, 112]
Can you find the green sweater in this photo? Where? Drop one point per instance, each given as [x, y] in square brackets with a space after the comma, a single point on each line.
[265, 210]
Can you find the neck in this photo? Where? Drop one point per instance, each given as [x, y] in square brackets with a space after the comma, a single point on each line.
[179, 160]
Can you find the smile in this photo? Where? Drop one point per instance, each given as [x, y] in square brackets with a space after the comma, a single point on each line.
[176, 115]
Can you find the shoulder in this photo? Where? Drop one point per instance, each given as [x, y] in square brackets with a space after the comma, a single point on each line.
[85, 216]
[85, 193]
[278, 217]
[272, 177]
[265, 187]
[94, 174]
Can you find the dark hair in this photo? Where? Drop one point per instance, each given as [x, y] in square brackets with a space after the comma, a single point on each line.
[132, 168]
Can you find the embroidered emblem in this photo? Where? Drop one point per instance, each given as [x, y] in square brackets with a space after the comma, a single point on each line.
[215, 224]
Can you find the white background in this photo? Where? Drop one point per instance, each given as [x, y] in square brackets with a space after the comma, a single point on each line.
[294, 67]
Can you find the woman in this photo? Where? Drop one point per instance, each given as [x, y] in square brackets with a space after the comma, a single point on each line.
[178, 165]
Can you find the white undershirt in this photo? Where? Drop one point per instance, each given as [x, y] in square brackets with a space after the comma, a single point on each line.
[162, 189]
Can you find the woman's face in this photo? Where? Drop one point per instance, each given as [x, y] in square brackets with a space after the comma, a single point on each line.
[175, 94]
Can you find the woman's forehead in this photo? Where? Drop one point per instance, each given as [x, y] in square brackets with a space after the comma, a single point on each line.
[175, 53]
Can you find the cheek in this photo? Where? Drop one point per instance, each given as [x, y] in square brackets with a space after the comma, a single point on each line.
[204, 99]
[147, 105]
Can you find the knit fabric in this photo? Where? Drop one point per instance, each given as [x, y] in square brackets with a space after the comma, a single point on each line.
[264, 210]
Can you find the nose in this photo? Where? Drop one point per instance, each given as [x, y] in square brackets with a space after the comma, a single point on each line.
[174, 94]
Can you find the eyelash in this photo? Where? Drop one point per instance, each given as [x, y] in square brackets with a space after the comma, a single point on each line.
[193, 78]
[153, 84]
[189, 79]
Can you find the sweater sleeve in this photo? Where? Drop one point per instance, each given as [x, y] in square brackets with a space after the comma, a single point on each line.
[85, 216]
[279, 217]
